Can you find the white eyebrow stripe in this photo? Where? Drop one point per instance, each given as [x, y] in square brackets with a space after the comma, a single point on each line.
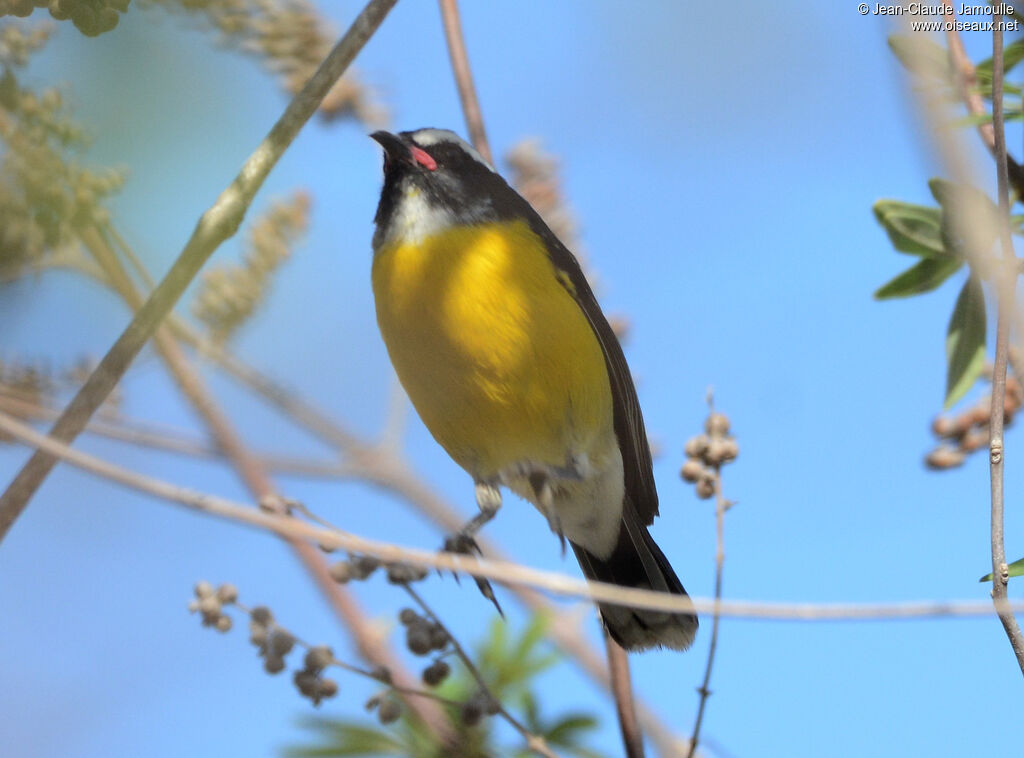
[428, 137]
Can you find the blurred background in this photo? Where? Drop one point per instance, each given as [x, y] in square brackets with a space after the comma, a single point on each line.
[721, 164]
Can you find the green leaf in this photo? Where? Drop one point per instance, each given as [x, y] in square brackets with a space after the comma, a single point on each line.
[347, 738]
[965, 342]
[921, 277]
[1012, 55]
[986, 118]
[567, 730]
[922, 56]
[1016, 569]
[914, 229]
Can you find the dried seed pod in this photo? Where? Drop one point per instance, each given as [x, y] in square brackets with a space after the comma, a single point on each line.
[730, 449]
[717, 424]
[389, 710]
[306, 682]
[436, 673]
[261, 615]
[326, 688]
[695, 446]
[438, 636]
[363, 566]
[471, 712]
[227, 594]
[705, 488]
[281, 643]
[223, 623]
[408, 616]
[341, 571]
[273, 664]
[318, 658]
[418, 638]
[381, 674]
[944, 457]
[692, 470]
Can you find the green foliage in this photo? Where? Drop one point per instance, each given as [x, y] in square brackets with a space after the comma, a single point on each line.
[965, 219]
[914, 229]
[1015, 569]
[965, 341]
[1012, 55]
[509, 664]
[921, 277]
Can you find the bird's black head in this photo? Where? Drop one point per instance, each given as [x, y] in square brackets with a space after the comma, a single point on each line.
[432, 180]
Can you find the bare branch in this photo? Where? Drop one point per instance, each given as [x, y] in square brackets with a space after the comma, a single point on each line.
[721, 506]
[500, 571]
[216, 225]
[464, 78]
[1006, 285]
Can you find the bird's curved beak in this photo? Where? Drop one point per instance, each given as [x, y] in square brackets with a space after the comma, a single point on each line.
[394, 147]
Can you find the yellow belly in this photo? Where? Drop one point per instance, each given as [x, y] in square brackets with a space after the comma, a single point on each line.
[498, 359]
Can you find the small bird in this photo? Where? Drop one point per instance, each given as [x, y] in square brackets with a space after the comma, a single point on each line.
[502, 348]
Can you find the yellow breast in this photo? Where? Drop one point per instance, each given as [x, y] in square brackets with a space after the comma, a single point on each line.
[496, 356]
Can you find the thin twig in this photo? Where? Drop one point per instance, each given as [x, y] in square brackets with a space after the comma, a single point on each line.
[216, 225]
[501, 571]
[533, 741]
[967, 84]
[721, 506]
[170, 440]
[622, 691]
[464, 78]
[1005, 284]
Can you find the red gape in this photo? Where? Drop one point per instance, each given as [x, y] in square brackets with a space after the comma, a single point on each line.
[423, 158]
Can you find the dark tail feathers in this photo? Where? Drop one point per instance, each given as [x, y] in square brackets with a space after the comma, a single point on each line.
[637, 561]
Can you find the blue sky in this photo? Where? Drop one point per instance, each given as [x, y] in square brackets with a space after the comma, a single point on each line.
[722, 165]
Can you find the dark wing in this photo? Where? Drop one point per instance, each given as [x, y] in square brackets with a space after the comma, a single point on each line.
[629, 423]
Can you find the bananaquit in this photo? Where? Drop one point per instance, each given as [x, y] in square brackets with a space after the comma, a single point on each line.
[502, 348]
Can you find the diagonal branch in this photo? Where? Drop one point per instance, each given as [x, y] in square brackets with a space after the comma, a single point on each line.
[1005, 284]
[216, 225]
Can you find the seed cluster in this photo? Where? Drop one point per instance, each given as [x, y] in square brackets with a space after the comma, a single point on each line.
[961, 435]
[708, 452]
[310, 680]
[229, 294]
[90, 17]
[46, 195]
[210, 602]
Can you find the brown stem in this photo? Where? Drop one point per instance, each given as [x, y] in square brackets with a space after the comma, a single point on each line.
[967, 82]
[721, 506]
[464, 78]
[216, 225]
[1005, 285]
[622, 689]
